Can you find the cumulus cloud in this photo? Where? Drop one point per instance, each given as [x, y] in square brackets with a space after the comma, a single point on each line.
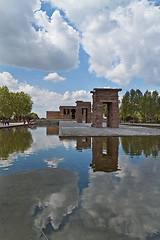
[44, 100]
[6, 79]
[29, 38]
[120, 37]
[53, 77]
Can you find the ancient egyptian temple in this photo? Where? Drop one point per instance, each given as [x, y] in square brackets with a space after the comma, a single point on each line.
[108, 97]
[104, 99]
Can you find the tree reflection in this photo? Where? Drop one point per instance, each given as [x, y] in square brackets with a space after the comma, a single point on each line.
[136, 146]
[14, 140]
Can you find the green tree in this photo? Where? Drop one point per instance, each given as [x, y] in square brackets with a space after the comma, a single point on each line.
[143, 106]
[22, 104]
[150, 106]
[138, 98]
[134, 103]
[124, 107]
[155, 105]
[32, 116]
[105, 110]
[6, 109]
[137, 106]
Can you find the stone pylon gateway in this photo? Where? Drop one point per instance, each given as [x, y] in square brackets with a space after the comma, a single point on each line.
[83, 111]
[108, 96]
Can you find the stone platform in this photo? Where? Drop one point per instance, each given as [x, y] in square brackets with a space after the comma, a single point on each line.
[72, 128]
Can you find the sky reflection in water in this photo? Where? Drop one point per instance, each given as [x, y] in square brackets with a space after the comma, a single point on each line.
[78, 188]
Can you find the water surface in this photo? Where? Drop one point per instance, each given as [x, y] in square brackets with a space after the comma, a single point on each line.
[78, 188]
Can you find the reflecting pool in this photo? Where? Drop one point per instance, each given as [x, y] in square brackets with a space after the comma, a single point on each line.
[78, 188]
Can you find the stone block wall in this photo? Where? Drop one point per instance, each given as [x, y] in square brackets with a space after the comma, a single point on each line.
[50, 115]
[67, 112]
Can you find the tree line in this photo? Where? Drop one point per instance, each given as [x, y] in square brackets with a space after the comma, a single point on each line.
[137, 106]
[16, 105]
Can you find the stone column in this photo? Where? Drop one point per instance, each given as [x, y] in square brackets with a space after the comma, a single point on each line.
[97, 115]
[89, 113]
[78, 114]
[113, 115]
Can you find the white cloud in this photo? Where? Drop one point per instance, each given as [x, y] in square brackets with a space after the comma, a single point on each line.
[44, 100]
[29, 38]
[6, 79]
[120, 37]
[53, 77]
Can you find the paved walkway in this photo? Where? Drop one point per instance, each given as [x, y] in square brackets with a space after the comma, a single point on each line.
[12, 125]
[70, 128]
[143, 124]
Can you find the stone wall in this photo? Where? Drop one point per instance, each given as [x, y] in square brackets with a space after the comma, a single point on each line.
[68, 112]
[80, 112]
[53, 115]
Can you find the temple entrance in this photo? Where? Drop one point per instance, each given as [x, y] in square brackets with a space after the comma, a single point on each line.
[73, 111]
[83, 112]
[105, 114]
[105, 100]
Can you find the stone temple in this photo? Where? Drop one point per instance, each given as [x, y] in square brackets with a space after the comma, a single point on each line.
[108, 97]
[103, 99]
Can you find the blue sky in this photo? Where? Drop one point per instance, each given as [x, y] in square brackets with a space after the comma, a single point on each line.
[58, 51]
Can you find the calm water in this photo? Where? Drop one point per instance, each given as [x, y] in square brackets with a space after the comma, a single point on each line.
[78, 188]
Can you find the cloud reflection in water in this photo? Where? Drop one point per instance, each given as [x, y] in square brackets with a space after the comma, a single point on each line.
[53, 191]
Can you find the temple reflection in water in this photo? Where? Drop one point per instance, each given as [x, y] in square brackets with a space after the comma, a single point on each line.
[83, 143]
[105, 154]
[104, 150]
[52, 130]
